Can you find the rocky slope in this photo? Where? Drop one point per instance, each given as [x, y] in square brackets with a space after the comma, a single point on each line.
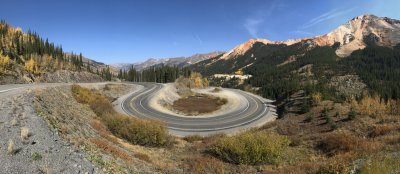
[40, 149]
[175, 61]
[60, 76]
[353, 35]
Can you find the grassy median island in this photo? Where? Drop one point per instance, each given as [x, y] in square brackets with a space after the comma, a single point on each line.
[136, 131]
[198, 104]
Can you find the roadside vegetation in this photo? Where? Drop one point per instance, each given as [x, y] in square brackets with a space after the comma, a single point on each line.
[136, 131]
[252, 148]
[304, 143]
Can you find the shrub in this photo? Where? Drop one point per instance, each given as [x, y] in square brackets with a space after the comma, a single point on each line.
[334, 125]
[36, 156]
[316, 98]
[24, 133]
[251, 148]
[10, 147]
[305, 106]
[134, 130]
[352, 114]
[308, 119]
[339, 143]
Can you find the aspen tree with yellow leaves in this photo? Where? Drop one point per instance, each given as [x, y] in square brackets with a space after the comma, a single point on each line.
[31, 66]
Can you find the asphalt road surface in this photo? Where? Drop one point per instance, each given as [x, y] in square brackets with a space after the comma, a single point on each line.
[257, 112]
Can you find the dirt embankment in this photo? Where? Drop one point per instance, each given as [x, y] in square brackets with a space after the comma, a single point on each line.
[60, 76]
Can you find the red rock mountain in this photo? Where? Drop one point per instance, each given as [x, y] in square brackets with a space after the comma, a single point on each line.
[353, 35]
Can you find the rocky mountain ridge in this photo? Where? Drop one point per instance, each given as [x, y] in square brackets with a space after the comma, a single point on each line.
[175, 61]
[353, 35]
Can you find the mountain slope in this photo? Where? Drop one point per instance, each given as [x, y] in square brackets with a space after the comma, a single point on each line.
[25, 57]
[280, 69]
[176, 61]
[353, 35]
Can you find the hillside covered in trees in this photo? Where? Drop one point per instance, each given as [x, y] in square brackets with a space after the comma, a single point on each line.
[312, 70]
[26, 56]
[158, 74]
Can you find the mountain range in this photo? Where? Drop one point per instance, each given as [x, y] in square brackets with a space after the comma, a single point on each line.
[367, 46]
[353, 35]
[174, 61]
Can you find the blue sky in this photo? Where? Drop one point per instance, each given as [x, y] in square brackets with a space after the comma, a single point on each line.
[117, 31]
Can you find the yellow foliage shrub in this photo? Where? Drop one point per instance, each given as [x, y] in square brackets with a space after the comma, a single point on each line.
[316, 97]
[252, 148]
[31, 66]
[5, 62]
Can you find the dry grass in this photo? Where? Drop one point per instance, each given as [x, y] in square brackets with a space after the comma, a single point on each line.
[301, 168]
[142, 156]
[337, 164]
[11, 148]
[392, 140]
[103, 132]
[204, 165]
[340, 142]
[378, 165]
[14, 122]
[108, 148]
[193, 138]
[25, 133]
[381, 130]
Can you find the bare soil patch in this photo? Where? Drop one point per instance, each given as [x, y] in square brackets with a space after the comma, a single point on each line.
[198, 104]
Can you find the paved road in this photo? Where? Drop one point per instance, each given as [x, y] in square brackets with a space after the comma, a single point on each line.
[256, 113]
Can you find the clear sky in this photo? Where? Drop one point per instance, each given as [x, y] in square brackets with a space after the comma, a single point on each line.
[118, 31]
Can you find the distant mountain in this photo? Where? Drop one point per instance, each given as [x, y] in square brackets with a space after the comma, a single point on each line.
[366, 46]
[353, 35]
[176, 61]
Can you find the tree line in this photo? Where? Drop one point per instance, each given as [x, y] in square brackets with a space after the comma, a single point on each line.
[38, 55]
[159, 74]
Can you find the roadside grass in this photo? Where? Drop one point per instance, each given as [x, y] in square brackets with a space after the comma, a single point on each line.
[193, 138]
[103, 145]
[378, 165]
[204, 165]
[137, 131]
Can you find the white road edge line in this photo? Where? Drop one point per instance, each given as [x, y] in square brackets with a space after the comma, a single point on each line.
[3, 91]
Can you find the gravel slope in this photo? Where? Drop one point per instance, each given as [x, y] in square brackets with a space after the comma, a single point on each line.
[16, 112]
